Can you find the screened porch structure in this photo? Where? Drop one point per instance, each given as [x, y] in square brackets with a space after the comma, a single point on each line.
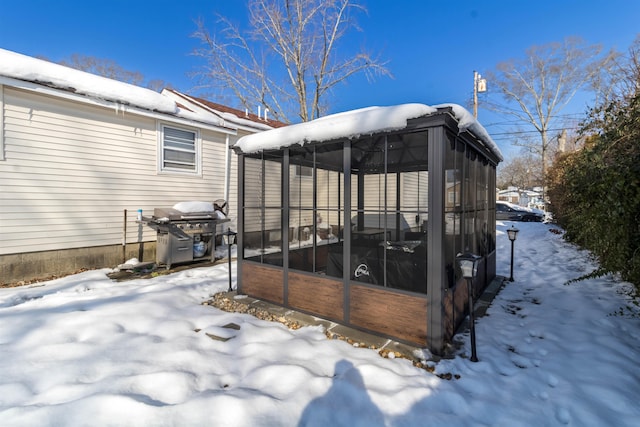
[358, 218]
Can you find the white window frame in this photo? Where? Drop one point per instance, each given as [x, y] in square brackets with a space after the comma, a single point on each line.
[2, 122]
[197, 151]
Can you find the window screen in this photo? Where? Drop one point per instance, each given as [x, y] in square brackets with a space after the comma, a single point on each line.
[179, 150]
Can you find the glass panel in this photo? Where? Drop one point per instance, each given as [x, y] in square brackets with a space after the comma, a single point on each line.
[263, 236]
[301, 185]
[272, 249]
[367, 221]
[262, 204]
[263, 181]
[481, 232]
[253, 181]
[316, 222]
[301, 238]
[329, 256]
[388, 244]
[413, 202]
[329, 209]
[454, 158]
[272, 176]
[492, 211]
[481, 207]
[253, 238]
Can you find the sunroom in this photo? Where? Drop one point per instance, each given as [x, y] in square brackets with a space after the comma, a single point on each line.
[358, 218]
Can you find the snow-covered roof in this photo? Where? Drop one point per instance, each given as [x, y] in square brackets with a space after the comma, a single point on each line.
[365, 121]
[25, 68]
[31, 69]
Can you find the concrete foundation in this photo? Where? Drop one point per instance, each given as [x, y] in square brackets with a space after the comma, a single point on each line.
[32, 266]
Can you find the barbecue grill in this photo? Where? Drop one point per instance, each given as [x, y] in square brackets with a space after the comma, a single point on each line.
[187, 236]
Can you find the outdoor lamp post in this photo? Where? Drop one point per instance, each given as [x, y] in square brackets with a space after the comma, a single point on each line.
[229, 234]
[512, 233]
[469, 267]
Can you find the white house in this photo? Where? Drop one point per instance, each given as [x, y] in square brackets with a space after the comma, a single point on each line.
[78, 150]
[517, 196]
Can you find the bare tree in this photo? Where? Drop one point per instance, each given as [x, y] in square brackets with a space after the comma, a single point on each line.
[623, 82]
[110, 69]
[520, 171]
[545, 81]
[288, 61]
[103, 67]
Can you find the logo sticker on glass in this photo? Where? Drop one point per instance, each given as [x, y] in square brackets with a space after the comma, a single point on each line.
[361, 270]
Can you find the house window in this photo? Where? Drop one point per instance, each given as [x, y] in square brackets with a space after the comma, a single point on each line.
[179, 150]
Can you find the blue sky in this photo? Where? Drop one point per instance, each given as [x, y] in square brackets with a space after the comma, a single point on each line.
[432, 47]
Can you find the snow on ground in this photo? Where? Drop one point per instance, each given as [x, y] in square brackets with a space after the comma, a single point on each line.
[84, 350]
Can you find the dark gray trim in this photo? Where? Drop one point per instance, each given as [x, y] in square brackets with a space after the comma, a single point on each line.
[240, 225]
[386, 207]
[284, 188]
[263, 206]
[346, 234]
[436, 277]
[314, 204]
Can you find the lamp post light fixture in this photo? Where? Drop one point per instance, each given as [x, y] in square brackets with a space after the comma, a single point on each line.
[469, 266]
[229, 235]
[513, 234]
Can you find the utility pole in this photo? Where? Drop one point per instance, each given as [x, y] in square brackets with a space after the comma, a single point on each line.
[479, 85]
[562, 141]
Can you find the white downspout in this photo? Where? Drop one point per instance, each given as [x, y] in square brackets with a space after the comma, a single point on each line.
[227, 168]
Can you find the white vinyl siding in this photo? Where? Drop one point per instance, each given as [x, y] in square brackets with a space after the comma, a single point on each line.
[71, 170]
[304, 171]
[1, 122]
[179, 150]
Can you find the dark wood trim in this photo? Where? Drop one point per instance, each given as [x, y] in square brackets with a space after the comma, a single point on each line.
[260, 281]
[317, 295]
[389, 313]
[455, 306]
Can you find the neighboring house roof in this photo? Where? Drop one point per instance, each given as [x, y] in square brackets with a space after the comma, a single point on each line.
[232, 116]
[237, 113]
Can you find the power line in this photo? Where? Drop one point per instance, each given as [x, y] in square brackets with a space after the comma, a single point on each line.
[528, 131]
[512, 122]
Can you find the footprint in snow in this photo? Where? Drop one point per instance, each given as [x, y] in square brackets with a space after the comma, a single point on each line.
[535, 334]
[563, 416]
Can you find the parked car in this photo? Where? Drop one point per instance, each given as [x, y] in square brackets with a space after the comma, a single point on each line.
[510, 212]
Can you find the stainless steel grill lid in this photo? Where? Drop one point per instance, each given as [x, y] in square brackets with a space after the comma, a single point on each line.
[172, 214]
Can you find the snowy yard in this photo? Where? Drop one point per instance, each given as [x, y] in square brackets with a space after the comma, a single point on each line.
[85, 350]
